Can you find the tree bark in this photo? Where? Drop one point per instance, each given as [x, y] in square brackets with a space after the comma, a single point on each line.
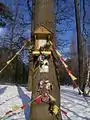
[81, 79]
[40, 111]
[43, 14]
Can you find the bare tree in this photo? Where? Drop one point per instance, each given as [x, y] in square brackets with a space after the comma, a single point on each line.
[81, 50]
[43, 14]
[16, 25]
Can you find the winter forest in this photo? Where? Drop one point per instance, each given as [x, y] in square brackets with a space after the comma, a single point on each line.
[44, 60]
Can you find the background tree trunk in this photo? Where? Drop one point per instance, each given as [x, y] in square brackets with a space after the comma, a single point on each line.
[43, 14]
[79, 49]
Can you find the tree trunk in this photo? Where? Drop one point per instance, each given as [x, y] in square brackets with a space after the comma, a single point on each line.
[79, 48]
[43, 14]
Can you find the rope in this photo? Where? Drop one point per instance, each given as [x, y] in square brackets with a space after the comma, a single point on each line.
[58, 110]
[64, 112]
[35, 71]
[36, 61]
[9, 61]
[73, 78]
[17, 108]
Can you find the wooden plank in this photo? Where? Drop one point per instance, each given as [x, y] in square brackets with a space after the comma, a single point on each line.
[43, 52]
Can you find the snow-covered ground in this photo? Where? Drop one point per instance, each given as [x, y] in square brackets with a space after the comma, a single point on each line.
[76, 106]
[12, 96]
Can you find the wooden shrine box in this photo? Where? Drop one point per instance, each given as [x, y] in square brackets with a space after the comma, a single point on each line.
[41, 36]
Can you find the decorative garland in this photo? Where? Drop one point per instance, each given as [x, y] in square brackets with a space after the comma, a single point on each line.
[38, 101]
[9, 61]
[73, 78]
[15, 108]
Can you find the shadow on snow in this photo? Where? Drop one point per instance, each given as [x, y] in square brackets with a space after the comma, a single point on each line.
[2, 90]
[25, 99]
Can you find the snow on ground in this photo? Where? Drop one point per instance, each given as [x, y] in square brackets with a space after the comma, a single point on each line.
[76, 106]
[10, 96]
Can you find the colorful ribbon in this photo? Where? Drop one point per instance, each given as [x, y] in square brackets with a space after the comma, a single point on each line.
[65, 65]
[69, 72]
[15, 108]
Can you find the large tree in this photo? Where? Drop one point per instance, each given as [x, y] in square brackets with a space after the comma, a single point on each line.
[43, 14]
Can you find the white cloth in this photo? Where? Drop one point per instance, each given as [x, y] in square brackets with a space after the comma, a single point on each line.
[41, 83]
[44, 68]
[48, 86]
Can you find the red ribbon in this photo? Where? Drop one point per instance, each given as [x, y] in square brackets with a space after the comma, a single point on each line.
[64, 112]
[38, 100]
[69, 71]
[74, 84]
[61, 59]
[8, 112]
[23, 106]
